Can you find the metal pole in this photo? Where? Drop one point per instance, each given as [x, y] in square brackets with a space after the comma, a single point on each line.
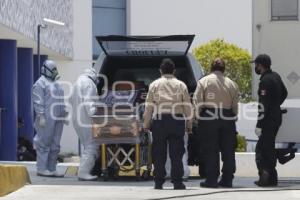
[38, 47]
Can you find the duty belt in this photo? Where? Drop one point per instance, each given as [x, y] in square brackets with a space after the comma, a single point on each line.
[219, 112]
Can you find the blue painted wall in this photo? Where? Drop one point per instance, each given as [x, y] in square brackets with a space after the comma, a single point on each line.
[25, 83]
[36, 67]
[8, 99]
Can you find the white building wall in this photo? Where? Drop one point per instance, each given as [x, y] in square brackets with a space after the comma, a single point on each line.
[208, 19]
[279, 39]
[23, 16]
[82, 58]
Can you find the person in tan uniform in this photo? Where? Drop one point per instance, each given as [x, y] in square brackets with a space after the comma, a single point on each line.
[168, 113]
[216, 108]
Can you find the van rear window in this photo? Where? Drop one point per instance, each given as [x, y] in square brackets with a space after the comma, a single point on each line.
[143, 71]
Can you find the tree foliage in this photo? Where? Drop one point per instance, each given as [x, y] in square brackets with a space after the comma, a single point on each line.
[238, 67]
[241, 144]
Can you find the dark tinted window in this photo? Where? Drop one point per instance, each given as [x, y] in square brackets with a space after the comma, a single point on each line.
[144, 70]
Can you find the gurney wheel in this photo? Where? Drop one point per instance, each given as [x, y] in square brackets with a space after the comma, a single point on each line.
[113, 172]
[105, 175]
[115, 176]
[137, 175]
[146, 175]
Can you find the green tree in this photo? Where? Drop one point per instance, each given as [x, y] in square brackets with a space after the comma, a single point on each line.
[241, 144]
[238, 67]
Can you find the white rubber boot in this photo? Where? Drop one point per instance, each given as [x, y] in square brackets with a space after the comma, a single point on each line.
[57, 174]
[45, 173]
[87, 177]
[86, 165]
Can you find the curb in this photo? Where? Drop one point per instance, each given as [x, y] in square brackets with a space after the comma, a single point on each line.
[12, 178]
[71, 171]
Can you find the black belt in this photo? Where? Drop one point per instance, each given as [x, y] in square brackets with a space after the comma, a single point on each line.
[158, 116]
[225, 112]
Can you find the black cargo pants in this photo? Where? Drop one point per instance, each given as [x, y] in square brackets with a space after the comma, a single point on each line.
[218, 135]
[168, 130]
[265, 152]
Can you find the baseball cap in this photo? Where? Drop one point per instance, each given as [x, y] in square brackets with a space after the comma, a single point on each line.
[263, 59]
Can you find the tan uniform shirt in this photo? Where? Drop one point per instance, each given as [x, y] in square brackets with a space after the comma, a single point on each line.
[168, 95]
[216, 91]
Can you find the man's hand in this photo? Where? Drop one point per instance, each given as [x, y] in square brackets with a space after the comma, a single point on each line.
[42, 121]
[189, 131]
[258, 131]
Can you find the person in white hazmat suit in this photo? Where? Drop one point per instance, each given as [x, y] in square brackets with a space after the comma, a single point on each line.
[186, 169]
[83, 102]
[50, 110]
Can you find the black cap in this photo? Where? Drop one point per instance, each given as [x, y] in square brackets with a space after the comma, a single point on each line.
[263, 59]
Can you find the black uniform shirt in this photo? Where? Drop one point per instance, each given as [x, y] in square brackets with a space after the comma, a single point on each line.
[272, 93]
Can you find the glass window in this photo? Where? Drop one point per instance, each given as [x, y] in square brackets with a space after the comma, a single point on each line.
[109, 18]
[284, 10]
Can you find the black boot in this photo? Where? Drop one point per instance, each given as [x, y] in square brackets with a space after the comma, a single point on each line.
[264, 179]
[208, 185]
[158, 186]
[225, 183]
[273, 179]
[179, 186]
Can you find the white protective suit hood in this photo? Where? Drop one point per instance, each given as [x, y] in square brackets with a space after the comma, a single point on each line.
[49, 70]
[92, 74]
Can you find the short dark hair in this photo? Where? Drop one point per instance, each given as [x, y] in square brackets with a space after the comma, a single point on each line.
[218, 65]
[264, 60]
[167, 66]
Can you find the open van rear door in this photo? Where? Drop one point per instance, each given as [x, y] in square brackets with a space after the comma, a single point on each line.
[173, 45]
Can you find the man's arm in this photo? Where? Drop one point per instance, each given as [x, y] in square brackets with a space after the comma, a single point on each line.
[198, 98]
[284, 93]
[38, 98]
[90, 97]
[235, 99]
[264, 101]
[188, 109]
[149, 107]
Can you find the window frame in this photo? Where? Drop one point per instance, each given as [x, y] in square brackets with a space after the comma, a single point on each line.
[284, 18]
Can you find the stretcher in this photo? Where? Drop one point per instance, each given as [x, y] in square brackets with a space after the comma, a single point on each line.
[125, 148]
